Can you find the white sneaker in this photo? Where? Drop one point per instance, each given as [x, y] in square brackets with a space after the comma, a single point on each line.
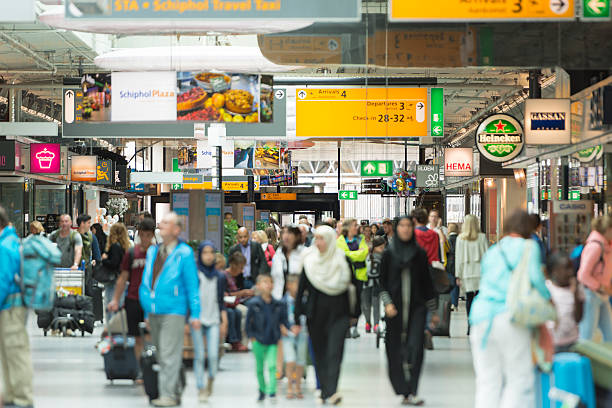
[413, 400]
[203, 395]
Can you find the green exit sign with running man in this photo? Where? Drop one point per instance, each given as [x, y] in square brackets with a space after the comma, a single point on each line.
[376, 168]
[347, 195]
[597, 10]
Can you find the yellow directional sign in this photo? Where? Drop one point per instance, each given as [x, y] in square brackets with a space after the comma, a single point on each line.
[480, 10]
[362, 112]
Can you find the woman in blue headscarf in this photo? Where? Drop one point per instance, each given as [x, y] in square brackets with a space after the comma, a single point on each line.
[212, 287]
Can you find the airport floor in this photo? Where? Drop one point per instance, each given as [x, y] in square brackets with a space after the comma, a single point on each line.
[68, 372]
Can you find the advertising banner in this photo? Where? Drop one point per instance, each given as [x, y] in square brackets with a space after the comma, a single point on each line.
[267, 155]
[213, 230]
[221, 97]
[93, 101]
[144, 96]
[84, 168]
[547, 121]
[499, 138]
[458, 162]
[244, 151]
[311, 10]
[427, 176]
[180, 205]
[248, 217]
[45, 158]
[121, 176]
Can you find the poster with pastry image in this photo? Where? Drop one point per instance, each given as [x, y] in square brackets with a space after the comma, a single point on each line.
[267, 155]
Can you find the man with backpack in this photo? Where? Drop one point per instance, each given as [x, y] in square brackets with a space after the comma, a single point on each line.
[69, 242]
[14, 342]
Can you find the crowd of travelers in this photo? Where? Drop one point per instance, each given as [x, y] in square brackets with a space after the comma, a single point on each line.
[295, 294]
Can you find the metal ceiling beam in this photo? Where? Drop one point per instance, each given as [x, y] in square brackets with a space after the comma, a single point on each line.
[27, 51]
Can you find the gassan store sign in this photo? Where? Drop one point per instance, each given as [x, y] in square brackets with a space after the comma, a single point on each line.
[500, 138]
[311, 10]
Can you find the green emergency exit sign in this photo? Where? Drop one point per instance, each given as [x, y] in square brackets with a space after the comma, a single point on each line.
[376, 168]
[437, 112]
[596, 9]
[347, 195]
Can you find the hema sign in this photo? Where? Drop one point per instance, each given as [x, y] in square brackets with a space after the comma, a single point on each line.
[458, 162]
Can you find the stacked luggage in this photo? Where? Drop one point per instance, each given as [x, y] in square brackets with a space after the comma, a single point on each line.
[72, 312]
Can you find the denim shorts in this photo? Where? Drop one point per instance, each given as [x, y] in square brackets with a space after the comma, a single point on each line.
[295, 349]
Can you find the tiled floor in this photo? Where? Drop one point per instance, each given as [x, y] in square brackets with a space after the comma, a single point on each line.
[69, 373]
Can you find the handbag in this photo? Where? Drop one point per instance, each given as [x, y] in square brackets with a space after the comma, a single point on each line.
[527, 307]
[103, 274]
[439, 278]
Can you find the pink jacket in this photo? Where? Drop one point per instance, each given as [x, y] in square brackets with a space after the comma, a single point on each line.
[592, 272]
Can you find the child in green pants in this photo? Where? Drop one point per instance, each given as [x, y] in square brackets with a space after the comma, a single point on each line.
[263, 326]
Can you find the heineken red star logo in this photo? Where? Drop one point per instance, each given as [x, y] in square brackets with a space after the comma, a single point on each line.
[500, 126]
[499, 138]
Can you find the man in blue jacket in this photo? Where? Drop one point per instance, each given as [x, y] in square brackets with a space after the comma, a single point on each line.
[14, 342]
[169, 293]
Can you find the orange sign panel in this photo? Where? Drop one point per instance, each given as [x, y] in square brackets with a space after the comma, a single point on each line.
[279, 196]
[475, 10]
[362, 112]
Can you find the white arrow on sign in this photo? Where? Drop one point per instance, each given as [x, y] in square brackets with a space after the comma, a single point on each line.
[369, 168]
[343, 195]
[437, 130]
[69, 106]
[596, 6]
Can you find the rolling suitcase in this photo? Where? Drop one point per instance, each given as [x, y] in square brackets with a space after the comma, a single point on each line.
[120, 361]
[570, 384]
[150, 369]
[444, 311]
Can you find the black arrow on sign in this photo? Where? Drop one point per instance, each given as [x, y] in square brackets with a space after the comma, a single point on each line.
[559, 5]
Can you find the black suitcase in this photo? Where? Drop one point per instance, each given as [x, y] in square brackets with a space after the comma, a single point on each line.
[150, 369]
[444, 312]
[120, 361]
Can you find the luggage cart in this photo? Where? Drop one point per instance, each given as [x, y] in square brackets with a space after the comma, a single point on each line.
[68, 282]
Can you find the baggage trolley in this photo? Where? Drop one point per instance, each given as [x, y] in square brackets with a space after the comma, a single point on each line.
[68, 282]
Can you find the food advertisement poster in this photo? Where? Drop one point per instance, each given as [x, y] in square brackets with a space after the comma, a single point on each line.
[244, 151]
[84, 168]
[45, 158]
[267, 155]
[96, 97]
[144, 96]
[220, 97]
[285, 159]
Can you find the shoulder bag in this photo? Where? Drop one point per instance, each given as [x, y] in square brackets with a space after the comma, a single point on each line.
[527, 307]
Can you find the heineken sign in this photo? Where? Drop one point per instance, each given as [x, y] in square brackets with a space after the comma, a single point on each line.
[500, 138]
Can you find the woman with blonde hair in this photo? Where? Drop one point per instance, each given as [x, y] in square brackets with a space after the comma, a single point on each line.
[117, 244]
[36, 228]
[268, 249]
[471, 247]
[595, 273]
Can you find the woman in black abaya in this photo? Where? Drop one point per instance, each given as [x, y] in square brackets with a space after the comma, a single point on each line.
[408, 293]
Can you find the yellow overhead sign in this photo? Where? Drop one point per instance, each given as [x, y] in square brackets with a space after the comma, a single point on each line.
[481, 10]
[227, 186]
[362, 112]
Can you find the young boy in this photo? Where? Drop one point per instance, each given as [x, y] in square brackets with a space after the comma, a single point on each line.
[295, 347]
[568, 298]
[263, 327]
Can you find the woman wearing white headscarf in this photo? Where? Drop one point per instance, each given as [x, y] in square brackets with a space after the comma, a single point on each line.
[324, 283]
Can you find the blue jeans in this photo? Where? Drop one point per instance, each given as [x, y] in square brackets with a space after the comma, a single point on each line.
[109, 292]
[597, 313]
[212, 345]
[234, 330]
[454, 291]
